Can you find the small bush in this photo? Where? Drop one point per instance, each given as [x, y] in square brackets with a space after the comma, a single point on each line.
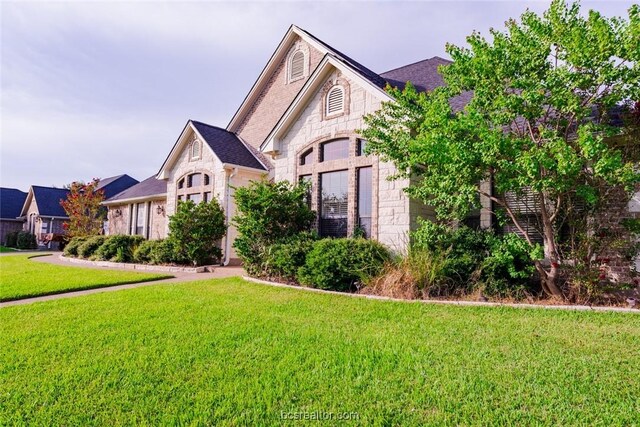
[507, 270]
[11, 240]
[164, 252]
[71, 249]
[195, 231]
[342, 264]
[268, 213]
[88, 248]
[118, 248]
[283, 260]
[26, 240]
[156, 252]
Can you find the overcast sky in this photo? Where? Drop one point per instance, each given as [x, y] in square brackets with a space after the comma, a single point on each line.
[99, 89]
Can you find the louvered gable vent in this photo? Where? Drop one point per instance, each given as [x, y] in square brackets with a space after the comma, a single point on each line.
[335, 100]
[297, 66]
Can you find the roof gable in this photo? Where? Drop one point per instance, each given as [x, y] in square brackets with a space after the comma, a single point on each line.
[328, 64]
[225, 145]
[279, 54]
[47, 200]
[11, 202]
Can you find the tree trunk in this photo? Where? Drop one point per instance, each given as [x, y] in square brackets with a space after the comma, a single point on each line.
[549, 278]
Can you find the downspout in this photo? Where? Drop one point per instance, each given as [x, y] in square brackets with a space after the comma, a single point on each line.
[227, 241]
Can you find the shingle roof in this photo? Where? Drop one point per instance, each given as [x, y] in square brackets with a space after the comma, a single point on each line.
[227, 146]
[48, 200]
[147, 188]
[11, 202]
[425, 77]
[115, 184]
[372, 76]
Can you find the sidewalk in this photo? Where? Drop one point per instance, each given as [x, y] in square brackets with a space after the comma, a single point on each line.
[180, 277]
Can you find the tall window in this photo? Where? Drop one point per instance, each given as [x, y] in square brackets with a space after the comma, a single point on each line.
[365, 201]
[335, 100]
[334, 204]
[141, 213]
[334, 150]
[306, 179]
[296, 66]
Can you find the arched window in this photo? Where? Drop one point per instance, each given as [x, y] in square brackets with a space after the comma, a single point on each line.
[196, 187]
[335, 100]
[307, 157]
[196, 150]
[296, 66]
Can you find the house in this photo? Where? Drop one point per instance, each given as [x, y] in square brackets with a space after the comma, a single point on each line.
[42, 214]
[11, 202]
[298, 122]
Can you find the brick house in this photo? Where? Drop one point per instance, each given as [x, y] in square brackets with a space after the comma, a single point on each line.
[299, 122]
[11, 202]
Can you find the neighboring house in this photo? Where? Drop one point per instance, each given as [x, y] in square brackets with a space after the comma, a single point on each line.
[42, 214]
[204, 163]
[11, 202]
[115, 184]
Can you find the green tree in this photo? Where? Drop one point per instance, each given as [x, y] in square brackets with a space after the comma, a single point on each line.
[195, 231]
[83, 207]
[268, 213]
[535, 122]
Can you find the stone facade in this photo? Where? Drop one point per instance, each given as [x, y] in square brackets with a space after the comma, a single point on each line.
[276, 96]
[119, 218]
[393, 213]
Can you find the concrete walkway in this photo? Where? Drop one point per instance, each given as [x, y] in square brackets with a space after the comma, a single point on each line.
[180, 277]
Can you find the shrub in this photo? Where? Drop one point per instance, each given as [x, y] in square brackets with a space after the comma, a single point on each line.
[195, 231]
[90, 246]
[26, 240]
[155, 252]
[11, 240]
[71, 249]
[118, 248]
[268, 213]
[478, 260]
[343, 264]
[282, 260]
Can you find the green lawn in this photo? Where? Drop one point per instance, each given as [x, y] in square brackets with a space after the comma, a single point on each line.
[229, 352]
[21, 277]
[4, 249]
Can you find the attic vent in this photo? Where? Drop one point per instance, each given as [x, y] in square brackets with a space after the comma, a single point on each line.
[195, 150]
[296, 69]
[335, 100]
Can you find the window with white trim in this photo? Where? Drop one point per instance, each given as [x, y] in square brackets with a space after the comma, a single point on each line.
[335, 100]
[296, 66]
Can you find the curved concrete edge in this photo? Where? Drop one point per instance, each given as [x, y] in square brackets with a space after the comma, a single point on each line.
[451, 302]
[142, 267]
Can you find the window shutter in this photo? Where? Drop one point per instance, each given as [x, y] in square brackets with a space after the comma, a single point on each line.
[335, 100]
[297, 66]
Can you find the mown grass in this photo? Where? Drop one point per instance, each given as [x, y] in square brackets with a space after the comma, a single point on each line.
[21, 277]
[228, 352]
[4, 249]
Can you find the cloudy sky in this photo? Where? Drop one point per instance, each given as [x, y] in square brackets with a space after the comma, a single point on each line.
[96, 89]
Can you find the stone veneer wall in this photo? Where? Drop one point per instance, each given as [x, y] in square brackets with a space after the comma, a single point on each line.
[392, 210]
[119, 224]
[275, 97]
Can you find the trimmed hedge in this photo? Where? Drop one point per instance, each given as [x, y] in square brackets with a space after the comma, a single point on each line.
[343, 264]
[90, 246]
[282, 260]
[155, 252]
[119, 248]
[73, 245]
